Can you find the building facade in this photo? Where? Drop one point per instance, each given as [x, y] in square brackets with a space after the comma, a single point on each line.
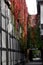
[9, 44]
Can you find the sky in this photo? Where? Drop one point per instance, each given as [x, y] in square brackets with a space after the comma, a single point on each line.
[32, 6]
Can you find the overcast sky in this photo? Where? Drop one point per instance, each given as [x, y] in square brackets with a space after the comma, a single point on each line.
[32, 6]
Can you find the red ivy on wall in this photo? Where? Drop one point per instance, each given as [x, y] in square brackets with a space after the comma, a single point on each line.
[20, 12]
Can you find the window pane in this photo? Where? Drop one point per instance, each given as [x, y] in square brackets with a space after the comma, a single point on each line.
[6, 9]
[3, 7]
[9, 44]
[15, 57]
[3, 57]
[0, 57]
[3, 39]
[14, 43]
[9, 15]
[41, 14]
[0, 39]
[9, 58]
[7, 21]
[3, 22]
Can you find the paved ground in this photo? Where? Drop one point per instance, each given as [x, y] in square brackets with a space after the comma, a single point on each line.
[34, 63]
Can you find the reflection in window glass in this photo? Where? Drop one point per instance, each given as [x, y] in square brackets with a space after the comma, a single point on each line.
[3, 22]
[3, 39]
[3, 57]
[3, 7]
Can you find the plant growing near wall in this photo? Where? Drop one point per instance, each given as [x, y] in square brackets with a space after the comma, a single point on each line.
[19, 9]
[34, 37]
